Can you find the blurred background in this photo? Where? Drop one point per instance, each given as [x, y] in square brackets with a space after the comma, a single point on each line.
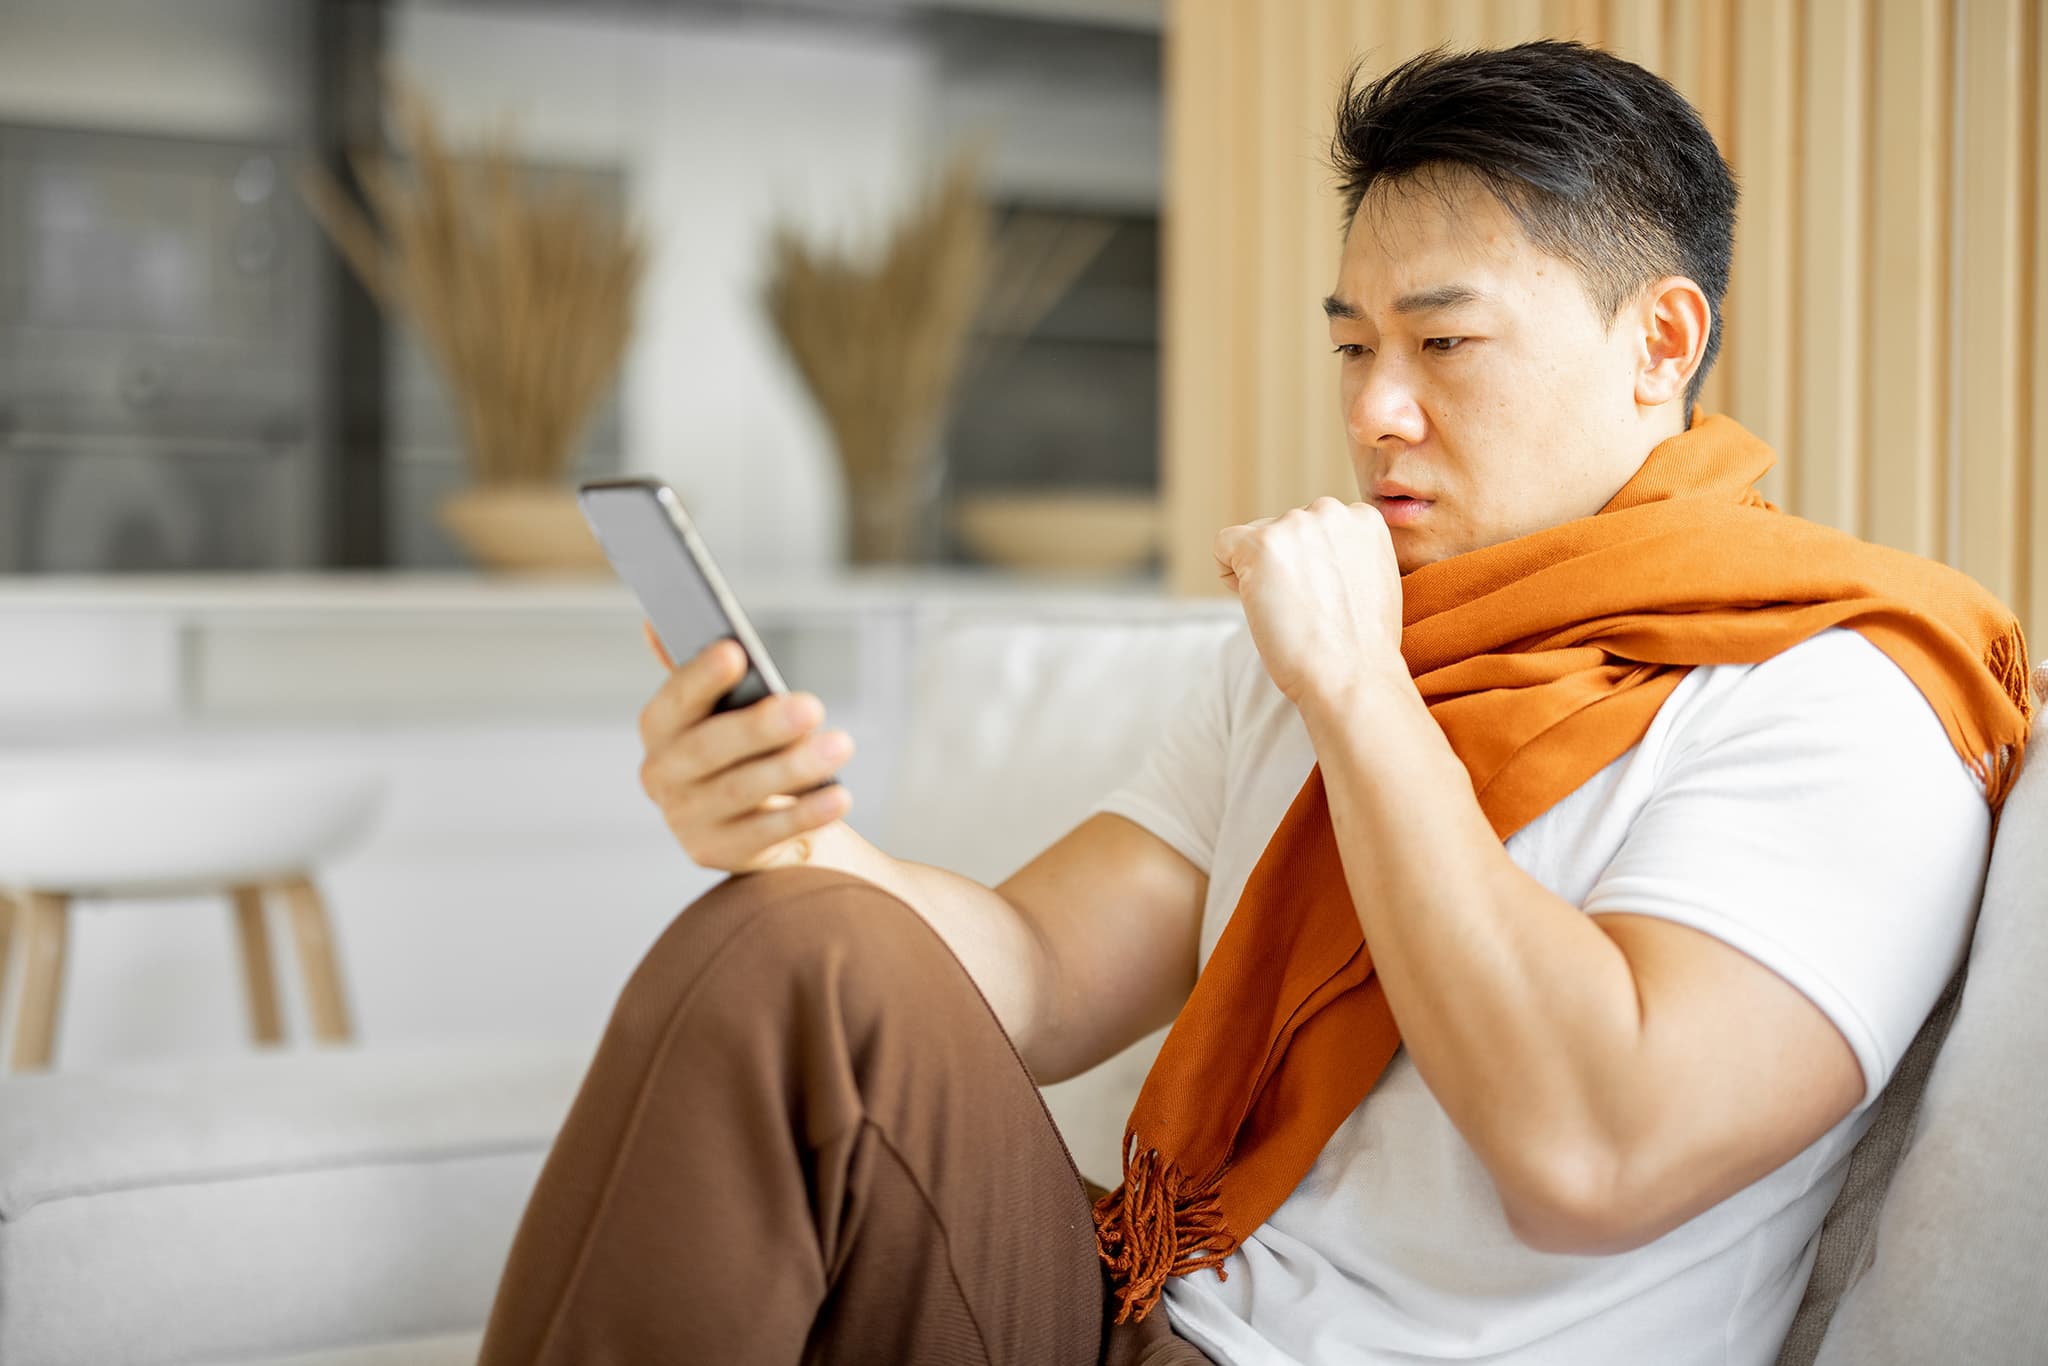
[190, 380]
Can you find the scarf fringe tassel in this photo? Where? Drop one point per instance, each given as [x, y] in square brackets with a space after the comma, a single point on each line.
[2007, 662]
[1157, 1224]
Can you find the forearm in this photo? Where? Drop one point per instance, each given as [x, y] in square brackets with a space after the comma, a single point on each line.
[994, 940]
[1518, 1011]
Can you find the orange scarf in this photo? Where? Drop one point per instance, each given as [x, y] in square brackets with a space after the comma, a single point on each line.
[1543, 659]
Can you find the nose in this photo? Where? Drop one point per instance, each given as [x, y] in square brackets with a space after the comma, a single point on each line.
[1382, 405]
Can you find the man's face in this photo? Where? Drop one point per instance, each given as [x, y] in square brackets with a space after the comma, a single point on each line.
[1476, 375]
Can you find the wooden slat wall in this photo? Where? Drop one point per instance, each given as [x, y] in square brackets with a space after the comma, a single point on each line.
[1990, 362]
[1831, 285]
[1887, 322]
[1906, 461]
[2034, 468]
[1761, 289]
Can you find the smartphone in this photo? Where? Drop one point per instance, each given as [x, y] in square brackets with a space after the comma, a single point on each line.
[655, 547]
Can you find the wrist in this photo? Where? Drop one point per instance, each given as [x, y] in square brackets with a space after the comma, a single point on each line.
[835, 845]
[1340, 695]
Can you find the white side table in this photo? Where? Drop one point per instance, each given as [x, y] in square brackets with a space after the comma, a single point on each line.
[82, 826]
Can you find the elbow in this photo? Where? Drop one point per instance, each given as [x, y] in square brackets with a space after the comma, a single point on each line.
[1576, 1201]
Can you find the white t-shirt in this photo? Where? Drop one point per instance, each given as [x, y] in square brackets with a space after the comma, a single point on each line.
[1810, 811]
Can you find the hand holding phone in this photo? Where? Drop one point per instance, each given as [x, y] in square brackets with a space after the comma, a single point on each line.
[741, 789]
[737, 764]
[659, 554]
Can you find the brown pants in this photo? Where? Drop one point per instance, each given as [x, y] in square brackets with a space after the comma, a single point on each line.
[806, 1139]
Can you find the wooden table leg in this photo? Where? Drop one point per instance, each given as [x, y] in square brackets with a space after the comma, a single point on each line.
[259, 971]
[46, 921]
[6, 941]
[326, 1003]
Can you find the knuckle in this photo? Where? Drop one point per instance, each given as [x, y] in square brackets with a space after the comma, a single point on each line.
[767, 722]
[691, 751]
[695, 687]
[808, 765]
[727, 792]
[706, 850]
[790, 820]
[682, 808]
[791, 767]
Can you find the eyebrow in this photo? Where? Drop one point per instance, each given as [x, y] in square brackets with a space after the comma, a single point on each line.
[1421, 301]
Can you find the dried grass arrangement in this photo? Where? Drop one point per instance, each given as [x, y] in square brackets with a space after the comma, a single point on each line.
[879, 339]
[523, 294]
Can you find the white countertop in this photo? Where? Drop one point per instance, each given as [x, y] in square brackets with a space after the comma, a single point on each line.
[178, 649]
[405, 593]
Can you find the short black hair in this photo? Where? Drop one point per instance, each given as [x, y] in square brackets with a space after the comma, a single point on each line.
[1603, 164]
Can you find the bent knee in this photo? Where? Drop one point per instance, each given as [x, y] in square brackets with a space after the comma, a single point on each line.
[788, 909]
[770, 933]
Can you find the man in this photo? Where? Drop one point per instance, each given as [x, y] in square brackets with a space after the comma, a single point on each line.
[1543, 886]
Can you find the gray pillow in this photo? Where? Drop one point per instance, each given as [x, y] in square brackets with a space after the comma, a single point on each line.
[1848, 1234]
[1952, 1267]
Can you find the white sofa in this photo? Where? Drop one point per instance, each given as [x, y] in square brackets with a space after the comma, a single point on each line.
[351, 1208]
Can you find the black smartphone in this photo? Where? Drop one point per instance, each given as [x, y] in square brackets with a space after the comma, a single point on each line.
[655, 547]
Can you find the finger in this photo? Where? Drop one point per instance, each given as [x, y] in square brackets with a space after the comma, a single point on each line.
[654, 644]
[1229, 547]
[1226, 562]
[762, 829]
[717, 743]
[688, 693]
[795, 768]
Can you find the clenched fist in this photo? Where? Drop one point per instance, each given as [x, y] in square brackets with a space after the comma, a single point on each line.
[1321, 591]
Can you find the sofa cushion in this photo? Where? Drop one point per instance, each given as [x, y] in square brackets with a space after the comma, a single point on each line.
[443, 1349]
[1020, 721]
[257, 1205]
[1952, 1271]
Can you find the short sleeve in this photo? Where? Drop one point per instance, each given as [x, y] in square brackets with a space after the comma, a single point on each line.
[1178, 790]
[1816, 818]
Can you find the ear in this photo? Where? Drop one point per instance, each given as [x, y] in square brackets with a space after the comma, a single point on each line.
[1676, 322]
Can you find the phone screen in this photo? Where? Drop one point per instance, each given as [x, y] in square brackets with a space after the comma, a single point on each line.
[649, 540]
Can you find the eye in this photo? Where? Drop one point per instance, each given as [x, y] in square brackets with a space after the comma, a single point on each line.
[1352, 350]
[1441, 345]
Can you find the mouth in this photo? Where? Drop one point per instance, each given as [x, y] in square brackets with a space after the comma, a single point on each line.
[1401, 509]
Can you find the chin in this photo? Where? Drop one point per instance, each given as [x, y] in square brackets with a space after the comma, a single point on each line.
[1409, 558]
[1414, 548]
